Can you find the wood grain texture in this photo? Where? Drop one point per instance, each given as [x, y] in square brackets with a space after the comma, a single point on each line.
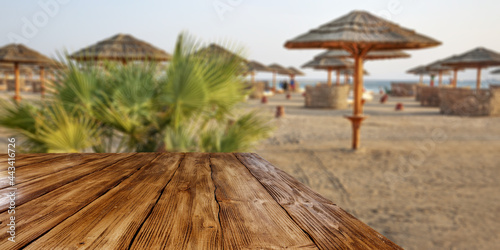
[174, 201]
[32, 189]
[47, 167]
[111, 221]
[327, 224]
[250, 217]
[186, 215]
[39, 215]
[4, 157]
[31, 159]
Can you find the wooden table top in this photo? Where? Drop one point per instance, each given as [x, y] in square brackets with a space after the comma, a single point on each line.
[170, 201]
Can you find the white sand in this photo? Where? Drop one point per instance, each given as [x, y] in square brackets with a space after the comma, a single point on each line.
[424, 180]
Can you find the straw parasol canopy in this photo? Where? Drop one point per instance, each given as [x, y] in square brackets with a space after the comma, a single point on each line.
[372, 55]
[326, 63]
[8, 68]
[214, 49]
[477, 58]
[421, 71]
[438, 68]
[253, 66]
[329, 64]
[295, 71]
[278, 69]
[20, 54]
[121, 47]
[257, 66]
[350, 72]
[360, 32]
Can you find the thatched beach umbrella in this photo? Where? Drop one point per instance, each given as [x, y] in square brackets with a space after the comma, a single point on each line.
[123, 48]
[278, 69]
[424, 70]
[440, 69]
[419, 70]
[350, 72]
[360, 32]
[254, 66]
[217, 50]
[329, 64]
[7, 69]
[478, 58]
[295, 71]
[20, 54]
[372, 55]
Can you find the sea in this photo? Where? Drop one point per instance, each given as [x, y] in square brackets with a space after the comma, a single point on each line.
[376, 85]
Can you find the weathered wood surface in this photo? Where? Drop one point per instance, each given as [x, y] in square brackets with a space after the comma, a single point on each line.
[172, 201]
[327, 224]
[187, 208]
[249, 216]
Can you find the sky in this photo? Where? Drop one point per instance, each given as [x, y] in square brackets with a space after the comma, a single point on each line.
[260, 27]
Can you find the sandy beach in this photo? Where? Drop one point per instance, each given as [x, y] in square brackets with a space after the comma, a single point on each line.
[424, 180]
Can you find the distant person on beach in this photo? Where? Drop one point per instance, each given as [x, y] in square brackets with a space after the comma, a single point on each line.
[285, 86]
[381, 90]
[292, 85]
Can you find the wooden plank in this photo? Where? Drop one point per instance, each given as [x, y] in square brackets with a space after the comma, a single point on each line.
[48, 167]
[30, 159]
[111, 221]
[39, 215]
[4, 157]
[250, 217]
[327, 224]
[31, 189]
[186, 216]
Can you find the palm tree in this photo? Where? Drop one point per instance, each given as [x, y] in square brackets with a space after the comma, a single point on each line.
[194, 106]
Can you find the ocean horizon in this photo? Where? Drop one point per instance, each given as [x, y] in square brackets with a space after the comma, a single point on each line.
[377, 84]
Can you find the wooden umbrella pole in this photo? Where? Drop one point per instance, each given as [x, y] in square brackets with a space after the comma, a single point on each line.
[338, 77]
[440, 78]
[346, 79]
[455, 71]
[358, 81]
[478, 83]
[252, 75]
[42, 81]
[17, 96]
[274, 80]
[329, 77]
[421, 78]
[357, 116]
